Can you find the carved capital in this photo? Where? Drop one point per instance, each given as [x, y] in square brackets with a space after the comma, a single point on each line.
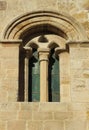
[43, 54]
[59, 50]
[28, 52]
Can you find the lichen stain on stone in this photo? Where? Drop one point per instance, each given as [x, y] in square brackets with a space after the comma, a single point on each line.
[3, 5]
[87, 113]
[86, 75]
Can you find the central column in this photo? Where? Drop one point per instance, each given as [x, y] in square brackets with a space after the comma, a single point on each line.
[28, 54]
[43, 58]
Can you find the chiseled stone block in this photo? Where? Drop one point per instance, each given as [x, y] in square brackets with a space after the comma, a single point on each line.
[9, 106]
[63, 115]
[26, 106]
[3, 96]
[10, 52]
[2, 125]
[25, 115]
[3, 5]
[8, 115]
[53, 125]
[34, 125]
[76, 125]
[53, 107]
[42, 116]
[16, 125]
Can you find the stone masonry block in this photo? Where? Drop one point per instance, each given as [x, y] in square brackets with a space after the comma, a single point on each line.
[35, 125]
[42, 116]
[26, 106]
[9, 106]
[8, 115]
[3, 95]
[53, 107]
[2, 125]
[53, 125]
[16, 125]
[9, 52]
[25, 115]
[76, 125]
[63, 115]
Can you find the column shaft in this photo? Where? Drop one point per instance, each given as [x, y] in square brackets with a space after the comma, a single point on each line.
[43, 57]
[27, 57]
[26, 79]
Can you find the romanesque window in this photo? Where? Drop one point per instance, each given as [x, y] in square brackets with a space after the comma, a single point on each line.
[44, 36]
[41, 70]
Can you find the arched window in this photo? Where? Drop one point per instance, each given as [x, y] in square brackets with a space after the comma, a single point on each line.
[61, 28]
[41, 69]
[42, 78]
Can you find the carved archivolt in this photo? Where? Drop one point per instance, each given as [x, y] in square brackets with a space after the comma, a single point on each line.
[45, 21]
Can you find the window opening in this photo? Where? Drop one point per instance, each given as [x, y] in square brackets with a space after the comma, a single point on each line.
[34, 78]
[53, 77]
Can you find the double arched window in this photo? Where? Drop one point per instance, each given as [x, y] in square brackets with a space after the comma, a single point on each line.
[41, 69]
[45, 39]
[52, 78]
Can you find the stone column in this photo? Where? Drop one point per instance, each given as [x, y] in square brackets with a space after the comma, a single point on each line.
[43, 58]
[27, 57]
[64, 67]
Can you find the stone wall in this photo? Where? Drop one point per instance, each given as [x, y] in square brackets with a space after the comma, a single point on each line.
[72, 113]
[44, 116]
[79, 65]
[9, 64]
[10, 10]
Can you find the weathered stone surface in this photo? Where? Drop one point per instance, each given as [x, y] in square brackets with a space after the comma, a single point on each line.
[72, 112]
[63, 115]
[2, 125]
[26, 106]
[8, 115]
[3, 5]
[76, 125]
[42, 116]
[25, 115]
[35, 125]
[9, 106]
[52, 107]
[15, 124]
[54, 125]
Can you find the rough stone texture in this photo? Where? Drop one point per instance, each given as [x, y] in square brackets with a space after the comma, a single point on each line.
[76, 116]
[3, 5]
[21, 125]
[72, 112]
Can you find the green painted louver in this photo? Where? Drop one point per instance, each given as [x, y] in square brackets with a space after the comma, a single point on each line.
[54, 90]
[34, 78]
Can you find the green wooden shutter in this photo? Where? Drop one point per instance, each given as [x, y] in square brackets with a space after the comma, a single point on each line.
[34, 78]
[54, 90]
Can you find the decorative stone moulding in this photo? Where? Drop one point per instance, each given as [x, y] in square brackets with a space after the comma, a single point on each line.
[56, 23]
